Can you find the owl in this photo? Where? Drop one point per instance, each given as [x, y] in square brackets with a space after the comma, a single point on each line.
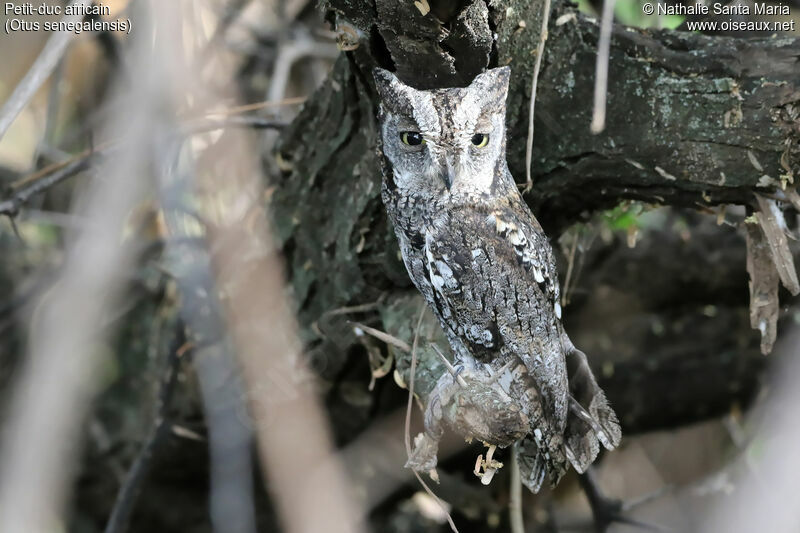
[474, 250]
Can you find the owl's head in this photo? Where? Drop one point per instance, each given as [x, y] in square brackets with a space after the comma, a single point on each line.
[445, 141]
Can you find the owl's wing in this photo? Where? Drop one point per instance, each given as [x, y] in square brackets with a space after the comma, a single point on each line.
[494, 282]
[495, 286]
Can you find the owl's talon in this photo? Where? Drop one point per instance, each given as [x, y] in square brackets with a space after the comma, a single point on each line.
[478, 464]
[490, 453]
[486, 469]
[487, 476]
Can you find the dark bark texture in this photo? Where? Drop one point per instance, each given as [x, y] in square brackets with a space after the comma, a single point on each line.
[693, 122]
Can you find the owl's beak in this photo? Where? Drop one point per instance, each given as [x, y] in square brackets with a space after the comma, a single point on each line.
[449, 175]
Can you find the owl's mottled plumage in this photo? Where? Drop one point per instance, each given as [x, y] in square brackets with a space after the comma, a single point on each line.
[481, 260]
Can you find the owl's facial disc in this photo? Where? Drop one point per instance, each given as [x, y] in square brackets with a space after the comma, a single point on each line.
[449, 141]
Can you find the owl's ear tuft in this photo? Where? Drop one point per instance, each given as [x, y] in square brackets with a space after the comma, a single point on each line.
[492, 85]
[394, 94]
[386, 83]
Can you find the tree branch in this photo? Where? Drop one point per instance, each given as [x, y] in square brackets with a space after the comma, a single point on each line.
[126, 498]
[38, 73]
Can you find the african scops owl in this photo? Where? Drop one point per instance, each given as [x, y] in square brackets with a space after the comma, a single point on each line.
[481, 260]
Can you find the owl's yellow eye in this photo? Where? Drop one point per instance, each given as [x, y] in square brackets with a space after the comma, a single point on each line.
[412, 138]
[480, 140]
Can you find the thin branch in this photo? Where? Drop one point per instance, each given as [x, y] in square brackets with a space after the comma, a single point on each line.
[383, 336]
[51, 175]
[54, 389]
[534, 82]
[407, 434]
[49, 169]
[607, 511]
[229, 15]
[249, 121]
[39, 72]
[53, 101]
[515, 504]
[570, 268]
[601, 68]
[412, 371]
[361, 308]
[229, 439]
[11, 206]
[129, 492]
[288, 54]
[297, 100]
[764, 497]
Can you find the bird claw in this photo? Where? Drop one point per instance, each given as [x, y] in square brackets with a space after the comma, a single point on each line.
[486, 469]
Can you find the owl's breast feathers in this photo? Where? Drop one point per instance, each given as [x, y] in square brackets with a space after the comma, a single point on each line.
[488, 271]
[492, 271]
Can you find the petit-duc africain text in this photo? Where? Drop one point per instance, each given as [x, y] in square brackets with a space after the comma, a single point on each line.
[29, 8]
[32, 10]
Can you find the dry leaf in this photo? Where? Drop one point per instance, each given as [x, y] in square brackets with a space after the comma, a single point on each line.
[664, 174]
[753, 161]
[384, 368]
[423, 6]
[563, 19]
[385, 337]
[771, 220]
[763, 286]
[379, 365]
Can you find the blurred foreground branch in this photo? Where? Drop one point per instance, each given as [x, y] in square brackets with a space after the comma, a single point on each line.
[766, 489]
[39, 72]
[54, 389]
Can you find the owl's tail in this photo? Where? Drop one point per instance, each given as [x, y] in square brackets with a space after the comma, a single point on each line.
[591, 420]
[542, 454]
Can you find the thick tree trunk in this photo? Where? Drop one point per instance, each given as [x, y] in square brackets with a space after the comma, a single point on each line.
[692, 120]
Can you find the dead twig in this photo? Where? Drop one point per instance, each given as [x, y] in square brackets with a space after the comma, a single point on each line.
[288, 54]
[515, 503]
[601, 68]
[247, 121]
[570, 268]
[228, 17]
[129, 492]
[259, 105]
[39, 72]
[412, 371]
[407, 433]
[764, 280]
[51, 175]
[534, 82]
[773, 224]
[11, 206]
[382, 336]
